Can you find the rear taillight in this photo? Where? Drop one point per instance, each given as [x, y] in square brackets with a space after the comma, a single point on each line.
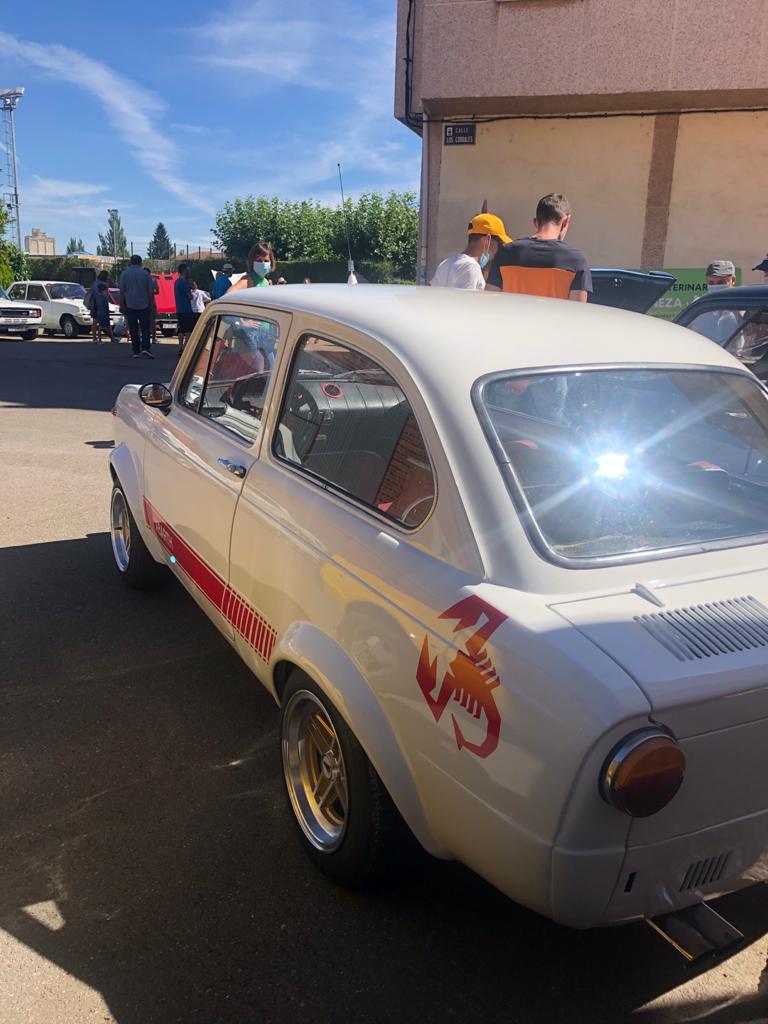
[642, 773]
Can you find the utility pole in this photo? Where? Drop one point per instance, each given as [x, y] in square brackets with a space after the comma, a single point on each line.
[9, 100]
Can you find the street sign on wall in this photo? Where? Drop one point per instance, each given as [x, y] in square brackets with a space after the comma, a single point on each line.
[459, 135]
[691, 282]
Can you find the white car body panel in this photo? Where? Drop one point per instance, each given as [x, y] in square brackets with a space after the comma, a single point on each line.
[55, 309]
[18, 317]
[303, 576]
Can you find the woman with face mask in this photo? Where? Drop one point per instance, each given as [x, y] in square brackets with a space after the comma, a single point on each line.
[260, 263]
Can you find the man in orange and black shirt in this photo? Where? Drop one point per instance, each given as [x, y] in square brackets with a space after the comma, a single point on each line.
[543, 264]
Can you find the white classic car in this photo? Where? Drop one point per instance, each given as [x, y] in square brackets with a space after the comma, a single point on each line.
[503, 564]
[19, 319]
[62, 303]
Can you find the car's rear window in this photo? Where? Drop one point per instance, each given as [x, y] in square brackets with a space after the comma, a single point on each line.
[620, 462]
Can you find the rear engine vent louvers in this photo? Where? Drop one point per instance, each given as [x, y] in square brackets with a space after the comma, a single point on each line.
[702, 872]
[708, 630]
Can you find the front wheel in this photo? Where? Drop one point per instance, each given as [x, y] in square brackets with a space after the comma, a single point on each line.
[347, 822]
[69, 326]
[28, 335]
[132, 557]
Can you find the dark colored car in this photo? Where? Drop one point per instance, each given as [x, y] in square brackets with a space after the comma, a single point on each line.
[737, 320]
[635, 290]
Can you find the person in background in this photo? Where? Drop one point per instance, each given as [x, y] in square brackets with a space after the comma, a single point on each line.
[223, 281]
[101, 311]
[135, 292]
[306, 281]
[763, 266]
[719, 324]
[281, 280]
[199, 299]
[90, 303]
[465, 268]
[261, 263]
[153, 307]
[182, 294]
[543, 264]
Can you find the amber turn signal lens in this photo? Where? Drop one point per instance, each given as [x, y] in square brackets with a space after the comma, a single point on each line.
[642, 773]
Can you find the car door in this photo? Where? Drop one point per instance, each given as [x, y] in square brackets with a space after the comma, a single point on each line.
[36, 293]
[335, 528]
[198, 454]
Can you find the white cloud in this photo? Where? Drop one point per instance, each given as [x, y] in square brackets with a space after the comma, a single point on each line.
[132, 110]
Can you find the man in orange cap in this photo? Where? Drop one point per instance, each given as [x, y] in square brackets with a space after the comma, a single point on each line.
[465, 269]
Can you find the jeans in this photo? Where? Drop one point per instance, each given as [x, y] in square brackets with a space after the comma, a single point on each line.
[138, 325]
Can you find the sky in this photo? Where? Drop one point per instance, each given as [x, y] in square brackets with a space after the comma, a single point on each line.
[166, 111]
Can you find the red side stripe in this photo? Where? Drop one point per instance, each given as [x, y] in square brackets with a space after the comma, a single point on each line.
[254, 629]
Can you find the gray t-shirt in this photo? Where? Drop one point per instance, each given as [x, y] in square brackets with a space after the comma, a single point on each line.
[138, 286]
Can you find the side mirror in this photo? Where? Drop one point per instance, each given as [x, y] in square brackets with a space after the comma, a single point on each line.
[156, 396]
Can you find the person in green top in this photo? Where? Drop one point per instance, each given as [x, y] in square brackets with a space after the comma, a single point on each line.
[261, 263]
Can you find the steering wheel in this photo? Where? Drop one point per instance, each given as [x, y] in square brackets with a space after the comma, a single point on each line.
[415, 504]
[308, 425]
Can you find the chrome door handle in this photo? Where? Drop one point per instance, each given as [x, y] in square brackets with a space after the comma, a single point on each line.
[232, 467]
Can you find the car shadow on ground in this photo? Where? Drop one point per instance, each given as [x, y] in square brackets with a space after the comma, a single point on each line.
[141, 792]
[43, 374]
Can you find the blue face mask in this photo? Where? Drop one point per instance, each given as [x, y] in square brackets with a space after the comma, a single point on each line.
[483, 261]
[262, 269]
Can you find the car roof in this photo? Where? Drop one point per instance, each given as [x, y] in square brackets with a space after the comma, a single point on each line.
[44, 280]
[755, 292]
[469, 334]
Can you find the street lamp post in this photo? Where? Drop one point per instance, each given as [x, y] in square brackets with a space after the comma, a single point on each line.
[9, 100]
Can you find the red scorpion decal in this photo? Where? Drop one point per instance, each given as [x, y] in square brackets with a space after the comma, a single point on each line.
[471, 677]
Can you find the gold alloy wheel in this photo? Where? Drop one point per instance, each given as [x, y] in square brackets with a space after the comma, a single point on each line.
[314, 770]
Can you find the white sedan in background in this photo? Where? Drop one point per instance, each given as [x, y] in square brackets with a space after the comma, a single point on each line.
[503, 564]
[62, 303]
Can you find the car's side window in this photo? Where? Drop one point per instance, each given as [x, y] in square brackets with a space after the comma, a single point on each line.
[17, 292]
[750, 343]
[192, 388]
[346, 421]
[36, 293]
[239, 372]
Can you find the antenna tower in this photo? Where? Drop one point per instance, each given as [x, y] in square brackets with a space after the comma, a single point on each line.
[9, 100]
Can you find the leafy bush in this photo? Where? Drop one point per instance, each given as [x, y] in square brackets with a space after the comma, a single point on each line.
[381, 229]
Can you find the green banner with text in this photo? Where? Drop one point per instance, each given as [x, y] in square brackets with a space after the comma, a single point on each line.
[691, 282]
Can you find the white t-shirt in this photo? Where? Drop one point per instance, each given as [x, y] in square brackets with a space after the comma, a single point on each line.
[197, 298]
[459, 271]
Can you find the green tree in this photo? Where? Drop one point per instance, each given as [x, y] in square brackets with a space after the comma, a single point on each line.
[75, 245]
[113, 242]
[159, 247]
[380, 228]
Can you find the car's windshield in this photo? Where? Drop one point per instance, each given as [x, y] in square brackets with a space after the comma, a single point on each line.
[66, 291]
[612, 462]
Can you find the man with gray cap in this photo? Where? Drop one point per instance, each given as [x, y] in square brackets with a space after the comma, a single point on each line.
[719, 324]
[223, 281]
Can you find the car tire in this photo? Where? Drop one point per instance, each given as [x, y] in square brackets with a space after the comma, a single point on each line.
[69, 327]
[28, 335]
[358, 838]
[132, 557]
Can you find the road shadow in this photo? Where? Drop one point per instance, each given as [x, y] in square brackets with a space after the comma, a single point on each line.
[141, 791]
[60, 374]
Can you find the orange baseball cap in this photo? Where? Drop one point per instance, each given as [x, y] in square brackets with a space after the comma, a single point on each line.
[488, 224]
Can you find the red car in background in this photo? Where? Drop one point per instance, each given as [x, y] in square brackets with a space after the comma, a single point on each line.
[167, 321]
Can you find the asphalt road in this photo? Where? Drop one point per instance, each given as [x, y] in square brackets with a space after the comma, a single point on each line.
[148, 868]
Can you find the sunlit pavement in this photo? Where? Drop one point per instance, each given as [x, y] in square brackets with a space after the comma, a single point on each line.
[148, 871]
